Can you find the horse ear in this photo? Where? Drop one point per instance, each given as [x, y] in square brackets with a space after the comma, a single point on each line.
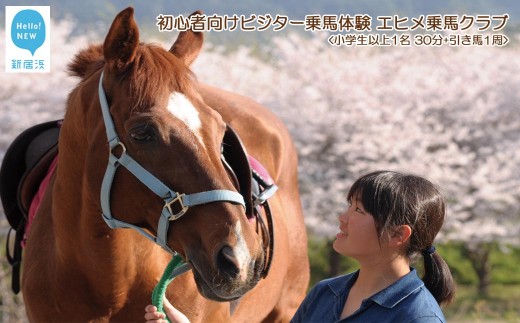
[188, 44]
[121, 41]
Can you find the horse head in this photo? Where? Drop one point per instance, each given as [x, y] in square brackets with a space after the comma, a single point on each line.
[169, 131]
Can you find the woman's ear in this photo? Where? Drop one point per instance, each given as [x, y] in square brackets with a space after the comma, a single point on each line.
[401, 235]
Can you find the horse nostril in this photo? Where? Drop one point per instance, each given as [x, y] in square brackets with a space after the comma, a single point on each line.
[227, 261]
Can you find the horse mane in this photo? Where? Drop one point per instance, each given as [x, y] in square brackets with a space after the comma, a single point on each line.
[86, 61]
[154, 71]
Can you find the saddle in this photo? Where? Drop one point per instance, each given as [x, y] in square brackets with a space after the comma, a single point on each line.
[24, 165]
[28, 158]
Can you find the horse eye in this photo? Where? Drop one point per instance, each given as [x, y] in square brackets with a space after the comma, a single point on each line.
[142, 135]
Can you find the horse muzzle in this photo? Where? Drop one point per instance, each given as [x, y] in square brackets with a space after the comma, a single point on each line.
[230, 276]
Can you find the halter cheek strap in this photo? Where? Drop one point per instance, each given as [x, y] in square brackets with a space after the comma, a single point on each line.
[170, 197]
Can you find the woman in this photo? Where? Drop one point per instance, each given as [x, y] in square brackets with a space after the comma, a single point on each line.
[391, 218]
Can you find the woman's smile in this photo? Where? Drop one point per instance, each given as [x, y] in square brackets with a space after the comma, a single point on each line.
[341, 234]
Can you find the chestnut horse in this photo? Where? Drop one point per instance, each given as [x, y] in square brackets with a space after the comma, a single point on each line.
[76, 268]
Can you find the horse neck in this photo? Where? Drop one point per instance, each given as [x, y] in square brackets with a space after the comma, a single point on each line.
[83, 239]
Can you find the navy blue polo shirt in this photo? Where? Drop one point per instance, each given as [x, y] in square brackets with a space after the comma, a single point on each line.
[406, 300]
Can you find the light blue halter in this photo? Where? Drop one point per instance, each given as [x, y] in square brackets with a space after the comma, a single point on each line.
[169, 196]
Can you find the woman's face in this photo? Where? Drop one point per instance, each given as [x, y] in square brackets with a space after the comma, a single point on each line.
[358, 236]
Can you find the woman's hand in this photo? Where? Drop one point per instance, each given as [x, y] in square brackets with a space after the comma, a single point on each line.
[153, 316]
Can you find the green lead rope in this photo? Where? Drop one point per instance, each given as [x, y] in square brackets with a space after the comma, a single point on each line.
[174, 268]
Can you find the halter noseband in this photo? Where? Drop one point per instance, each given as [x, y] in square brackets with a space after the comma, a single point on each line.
[170, 197]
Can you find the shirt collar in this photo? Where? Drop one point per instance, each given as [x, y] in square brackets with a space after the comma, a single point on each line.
[388, 297]
[395, 293]
[341, 284]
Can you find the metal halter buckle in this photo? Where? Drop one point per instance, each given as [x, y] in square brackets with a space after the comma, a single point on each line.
[183, 207]
[113, 148]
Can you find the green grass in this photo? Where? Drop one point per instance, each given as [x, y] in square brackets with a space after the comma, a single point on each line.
[502, 305]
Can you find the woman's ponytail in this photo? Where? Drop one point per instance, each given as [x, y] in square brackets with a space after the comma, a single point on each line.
[437, 277]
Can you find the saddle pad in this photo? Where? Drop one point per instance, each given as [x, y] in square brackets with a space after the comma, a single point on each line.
[37, 199]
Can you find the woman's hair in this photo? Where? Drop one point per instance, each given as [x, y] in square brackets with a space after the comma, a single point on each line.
[396, 199]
